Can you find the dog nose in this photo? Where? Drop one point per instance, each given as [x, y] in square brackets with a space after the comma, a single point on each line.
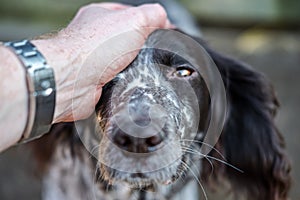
[139, 126]
[135, 144]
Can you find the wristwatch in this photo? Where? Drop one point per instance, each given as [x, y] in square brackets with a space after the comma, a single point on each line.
[41, 87]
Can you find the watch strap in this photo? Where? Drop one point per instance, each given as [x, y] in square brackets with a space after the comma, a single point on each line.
[41, 88]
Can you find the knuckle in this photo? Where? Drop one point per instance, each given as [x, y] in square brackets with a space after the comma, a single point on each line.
[138, 16]
[160, 10]
[86, 7]
[83, 8]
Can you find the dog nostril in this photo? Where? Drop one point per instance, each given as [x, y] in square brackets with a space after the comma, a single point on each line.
[135, 144]
[154, 141]
[122, 140]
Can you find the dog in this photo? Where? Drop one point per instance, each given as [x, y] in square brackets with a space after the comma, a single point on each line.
[151, 123]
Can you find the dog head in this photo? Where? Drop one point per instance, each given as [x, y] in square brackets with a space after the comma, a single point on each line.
[155, 114]
[150, 114]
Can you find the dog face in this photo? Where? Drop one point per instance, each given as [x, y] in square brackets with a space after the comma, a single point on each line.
[149, 115]
[152, 111]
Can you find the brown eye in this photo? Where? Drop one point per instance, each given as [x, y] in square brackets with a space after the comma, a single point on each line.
[183, 72]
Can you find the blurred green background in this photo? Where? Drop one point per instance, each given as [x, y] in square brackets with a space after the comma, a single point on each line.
[22, 18]
[263, 33]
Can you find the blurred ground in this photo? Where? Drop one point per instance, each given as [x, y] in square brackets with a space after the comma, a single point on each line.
[274, 52]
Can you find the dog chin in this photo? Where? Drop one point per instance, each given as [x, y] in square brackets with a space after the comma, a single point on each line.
[139, 180]
[146, 183]
[141, 183]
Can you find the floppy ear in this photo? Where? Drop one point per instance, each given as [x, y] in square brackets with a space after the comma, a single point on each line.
[250, 139]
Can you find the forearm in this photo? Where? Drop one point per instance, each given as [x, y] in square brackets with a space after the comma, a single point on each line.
[13, 97]
[14, 94]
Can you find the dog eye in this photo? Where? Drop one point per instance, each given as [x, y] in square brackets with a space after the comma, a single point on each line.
[183, 72]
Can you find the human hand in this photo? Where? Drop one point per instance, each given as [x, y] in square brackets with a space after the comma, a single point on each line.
[83, 52]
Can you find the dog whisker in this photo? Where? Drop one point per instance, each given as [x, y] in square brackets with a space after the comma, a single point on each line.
[211, 165]
[196, 177]
[193, 151]
[206, 144]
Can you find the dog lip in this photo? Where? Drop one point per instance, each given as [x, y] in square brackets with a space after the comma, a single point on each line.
[149, 186]
[138, 175]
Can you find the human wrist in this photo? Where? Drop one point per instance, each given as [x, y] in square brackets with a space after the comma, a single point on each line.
[14, 96]
[41, 88]
[65, 60]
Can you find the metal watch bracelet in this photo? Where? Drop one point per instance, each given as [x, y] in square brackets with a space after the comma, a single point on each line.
[41, 89]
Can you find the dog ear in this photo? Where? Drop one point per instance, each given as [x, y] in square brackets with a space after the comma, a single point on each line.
[250, 140]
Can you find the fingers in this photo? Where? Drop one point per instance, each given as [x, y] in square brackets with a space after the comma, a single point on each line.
[111, 6]
[155, 16]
